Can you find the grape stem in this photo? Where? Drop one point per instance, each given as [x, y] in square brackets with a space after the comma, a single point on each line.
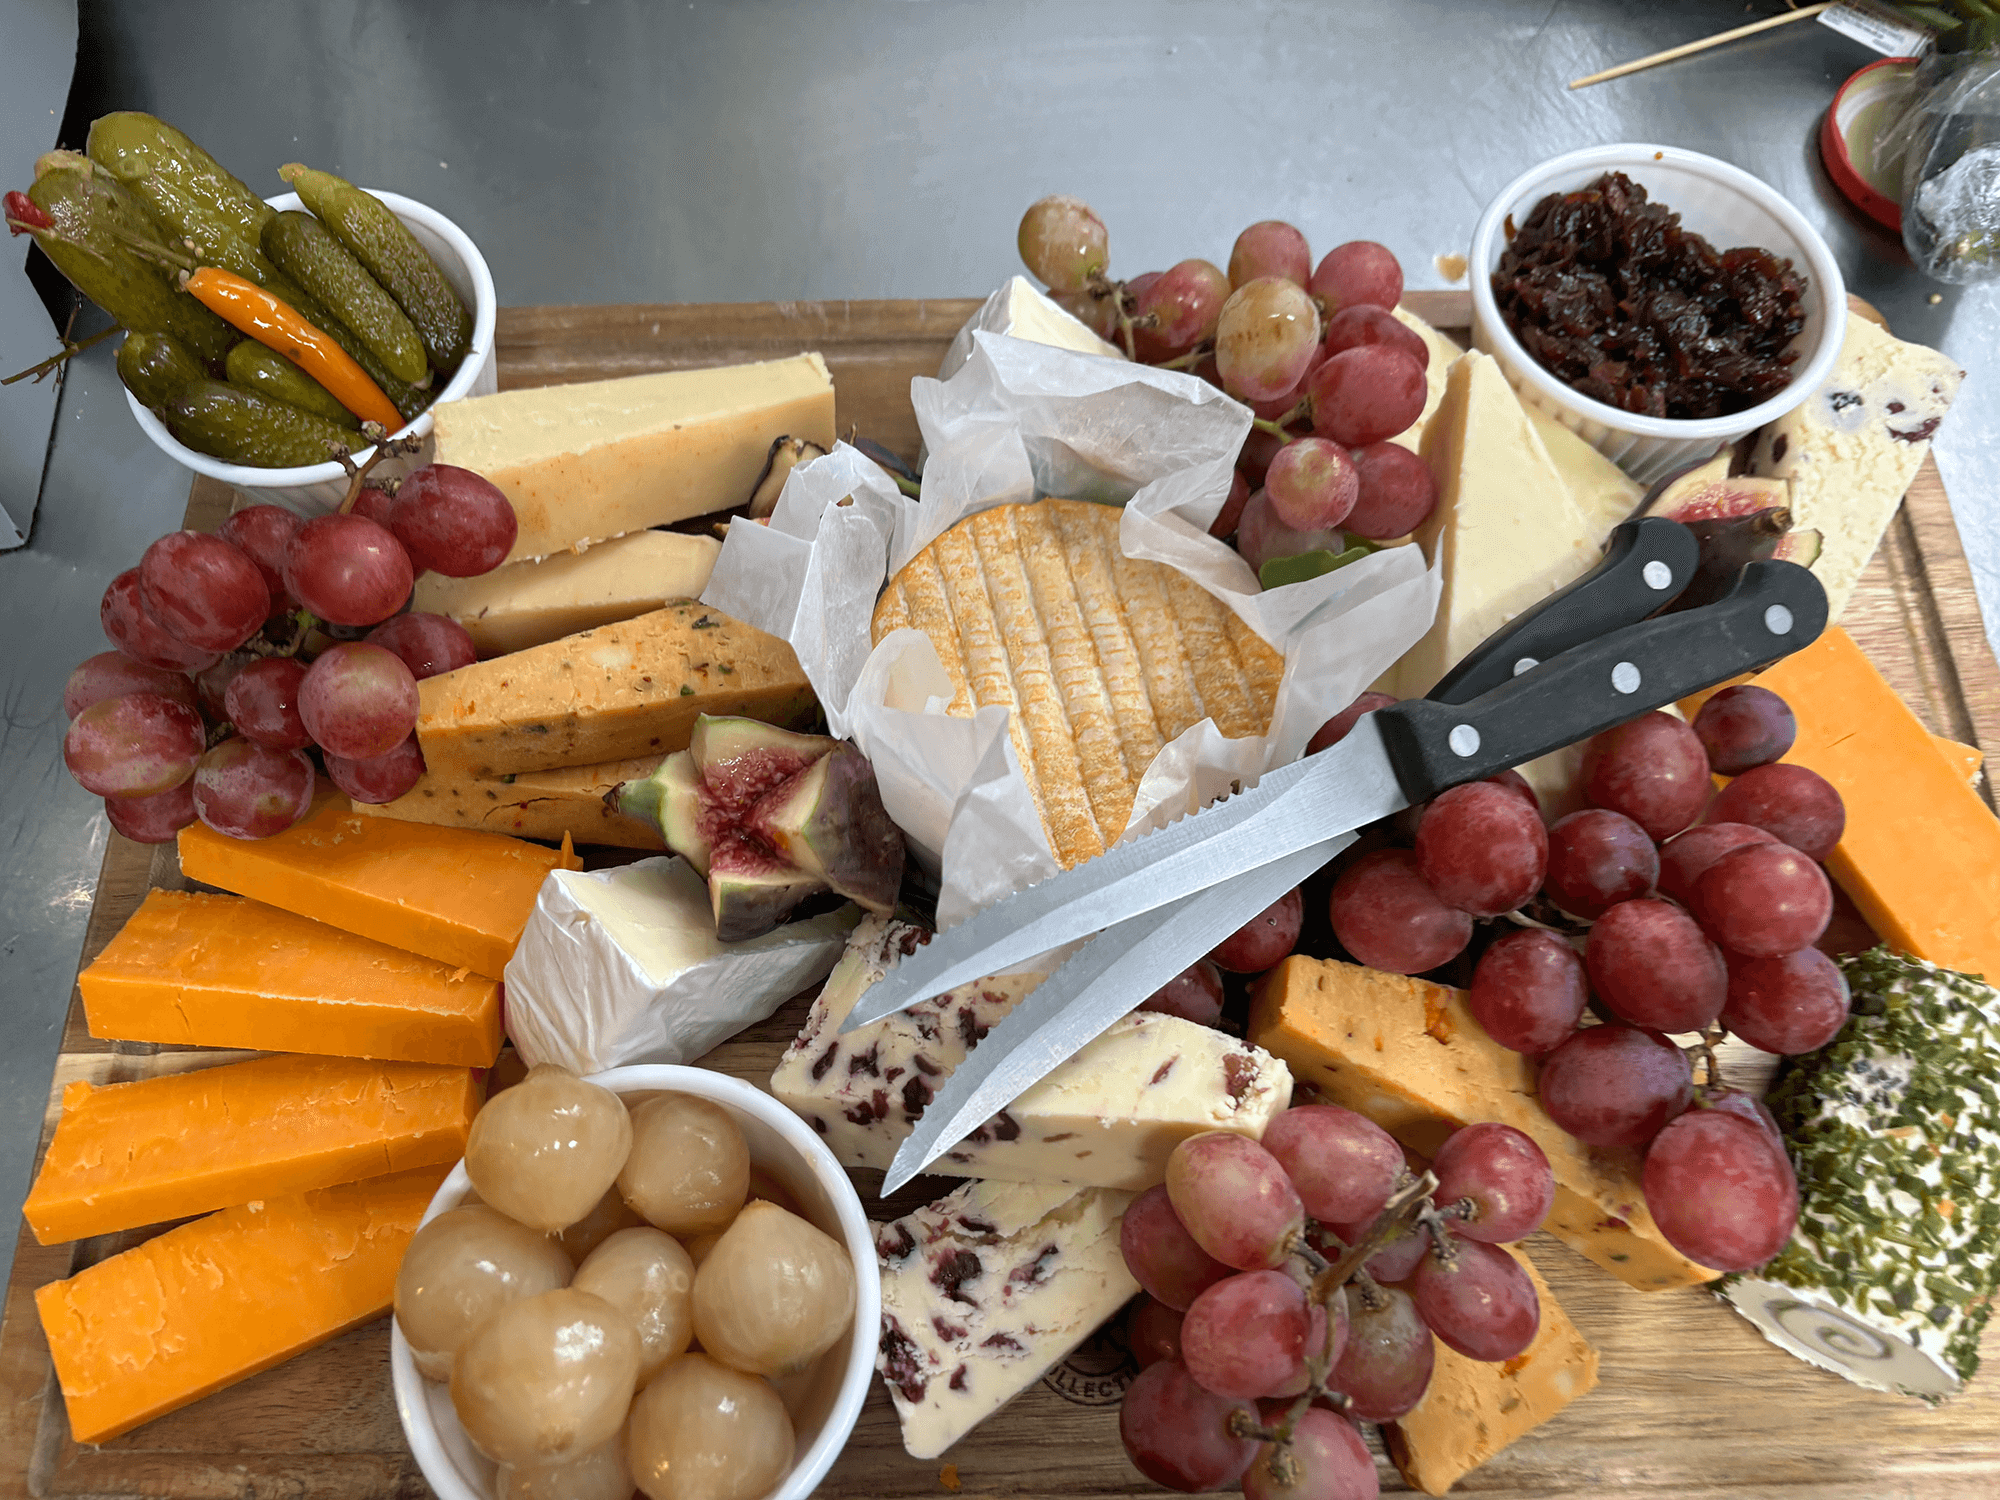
[384, 447]
[1704, 1049]
[1189, 360]
[69, 350]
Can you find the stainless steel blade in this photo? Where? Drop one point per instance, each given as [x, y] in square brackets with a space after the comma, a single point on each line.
[1289, 810]
[1104, 980]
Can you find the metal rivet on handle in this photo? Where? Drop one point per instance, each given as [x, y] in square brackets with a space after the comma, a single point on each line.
[1657, 574]
[1625, 677]
[1778, 619]
[1525, 664]
[1464, 740]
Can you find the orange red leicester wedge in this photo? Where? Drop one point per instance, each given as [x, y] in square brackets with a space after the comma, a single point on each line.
[201, 970]
[452, 894]
[213, 1302]
[129, 1154]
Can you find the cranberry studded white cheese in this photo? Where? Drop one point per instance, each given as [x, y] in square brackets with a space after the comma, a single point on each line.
[1109, 1117]
[987, 1289]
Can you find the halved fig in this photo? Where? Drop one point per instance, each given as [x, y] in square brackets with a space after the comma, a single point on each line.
[830, 822]
[751, 889]
[1737, 518]
[741, 759]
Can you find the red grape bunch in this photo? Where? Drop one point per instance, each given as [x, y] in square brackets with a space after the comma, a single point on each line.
[1316, 352]
[1293, 1288]
[208, 707]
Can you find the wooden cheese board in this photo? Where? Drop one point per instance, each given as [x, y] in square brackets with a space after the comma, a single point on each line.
[1692, 1402]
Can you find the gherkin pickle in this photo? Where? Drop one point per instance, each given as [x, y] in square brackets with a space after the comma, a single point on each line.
[96, 223]
[244, 427]
[309, 252]
[392, 255]
[131, 146]
[156, 367]
[256, 368]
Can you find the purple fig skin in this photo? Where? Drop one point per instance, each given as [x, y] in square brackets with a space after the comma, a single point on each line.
[829, 821]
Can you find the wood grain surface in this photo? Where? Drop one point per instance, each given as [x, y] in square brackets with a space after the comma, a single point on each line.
[1693, 1403]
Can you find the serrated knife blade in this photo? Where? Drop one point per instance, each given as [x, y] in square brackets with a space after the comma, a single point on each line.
[1104, 980]
[1292, 808]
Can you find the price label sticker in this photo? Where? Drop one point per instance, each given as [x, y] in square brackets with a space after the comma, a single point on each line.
[1876, 26]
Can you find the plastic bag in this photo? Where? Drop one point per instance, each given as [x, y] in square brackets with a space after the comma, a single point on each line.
[1946, 145]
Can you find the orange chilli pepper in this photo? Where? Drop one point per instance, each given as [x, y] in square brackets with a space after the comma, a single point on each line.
[277, 325]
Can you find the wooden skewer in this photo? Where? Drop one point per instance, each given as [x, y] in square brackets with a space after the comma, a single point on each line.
[1689, 48]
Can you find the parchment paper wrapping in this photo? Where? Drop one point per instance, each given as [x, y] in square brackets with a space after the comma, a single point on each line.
[1020, 421]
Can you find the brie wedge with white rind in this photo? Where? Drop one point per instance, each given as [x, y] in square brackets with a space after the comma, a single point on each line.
[623, 966]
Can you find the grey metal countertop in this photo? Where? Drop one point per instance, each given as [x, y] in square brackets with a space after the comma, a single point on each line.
[775, 149]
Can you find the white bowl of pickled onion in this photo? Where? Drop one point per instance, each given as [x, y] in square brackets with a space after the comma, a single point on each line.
[823, 1404]
[318, 488]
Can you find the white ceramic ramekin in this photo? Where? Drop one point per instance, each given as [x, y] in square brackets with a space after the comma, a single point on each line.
[823, 1411]
[1725, 205]
[318, 488]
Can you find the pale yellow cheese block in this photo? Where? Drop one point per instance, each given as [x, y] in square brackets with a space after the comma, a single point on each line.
[1100, 658]
[1505, 530]
[532, 805]
[1444, 354]
[533, 602]
[1603, 493]
[1471, 1409]
[1409, 1055]
[582, 463]
[615, 693]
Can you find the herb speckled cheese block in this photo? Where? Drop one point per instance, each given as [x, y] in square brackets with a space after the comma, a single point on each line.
[1471, 1409]
[580, 463]
[616, 693]
[1894, 1128]
[1108, 1117]
[984, 1291]
[531, 603]
[1853, 446]
[532, 805]
[1409, 1055]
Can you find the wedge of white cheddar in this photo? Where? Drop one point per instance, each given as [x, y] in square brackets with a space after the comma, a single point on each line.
[1471, 1410]
[1409, 1055]
[582, 463]
[1852, 448]
[1021, 311]
[531, 603]
[1108, 1117]
[987, 1289]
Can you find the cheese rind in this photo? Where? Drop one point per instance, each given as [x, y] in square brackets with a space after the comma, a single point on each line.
[451, 894]
[619, 692]
[531, 603]
[1920, 855]
[1471, 1409]
[984, 1291]
[1853, 446]
[127, 1154]
[1409, 1055]
[585, 462]
[194, 969]
[1108, 1117]
[1506, 531]
[531, 805]
[208, 1304]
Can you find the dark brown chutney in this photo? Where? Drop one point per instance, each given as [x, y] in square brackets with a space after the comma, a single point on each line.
[1611, 296]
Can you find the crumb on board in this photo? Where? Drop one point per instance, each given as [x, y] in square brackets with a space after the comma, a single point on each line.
[948, 1476]
[1450, 267]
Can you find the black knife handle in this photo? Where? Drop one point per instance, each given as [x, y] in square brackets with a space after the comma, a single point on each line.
[1775, 608]
[1647, 562]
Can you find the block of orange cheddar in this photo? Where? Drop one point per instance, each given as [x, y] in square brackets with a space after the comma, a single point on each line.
[1920, 856]
[1471, 1410]
[210, 1303]
[1409, 1055]
[197, 969]
[128, 1154]
[451, 894]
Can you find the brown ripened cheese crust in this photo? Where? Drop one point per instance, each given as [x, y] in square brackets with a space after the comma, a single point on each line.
[618, 692]
[1409, 1055]
[1101, 658]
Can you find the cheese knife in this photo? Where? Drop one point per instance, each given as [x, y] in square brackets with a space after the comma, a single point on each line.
[1394, 757]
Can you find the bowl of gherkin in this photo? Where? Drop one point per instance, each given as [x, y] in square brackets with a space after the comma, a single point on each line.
[264, 340]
